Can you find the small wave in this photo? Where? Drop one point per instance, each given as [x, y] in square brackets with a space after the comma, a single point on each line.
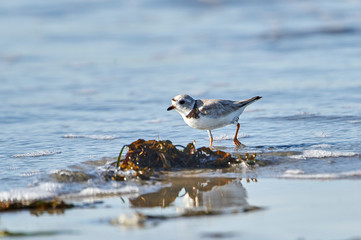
[49, 190]
[223, 137]
[42, 191]
[155, 121]
[321, 146]
[299, 174]
[322, 135]
[31, 173]
[12, 168]
[339, 30]
[253, 110]
[355, 121]
[39, 153]
[301, 116]
[229, 137]
[323, 154]
[95, 137]
[94, 192]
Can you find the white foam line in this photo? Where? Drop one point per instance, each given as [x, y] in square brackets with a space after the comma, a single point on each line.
[229, 137]
[39, 153]
[43, 191]
[299, 174]
[31, 173]
[354, 121]
[323, 154]
[93, 192]
[95, 137]
[321, 146]
[322, 135]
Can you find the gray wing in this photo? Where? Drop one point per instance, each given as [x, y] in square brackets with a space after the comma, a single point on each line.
[214, 108]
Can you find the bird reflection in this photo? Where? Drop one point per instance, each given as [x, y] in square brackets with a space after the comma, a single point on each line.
[205, 194]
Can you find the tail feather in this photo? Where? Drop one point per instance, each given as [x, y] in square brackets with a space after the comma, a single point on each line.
[244, 103]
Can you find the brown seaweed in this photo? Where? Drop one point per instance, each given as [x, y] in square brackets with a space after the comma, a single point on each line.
[165, 155]
[143, 157]
[36, 206]
[6, 233]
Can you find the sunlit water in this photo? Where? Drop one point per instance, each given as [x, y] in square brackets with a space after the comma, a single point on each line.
[81, 79]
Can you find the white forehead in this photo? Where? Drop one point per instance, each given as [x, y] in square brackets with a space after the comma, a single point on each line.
[182, 96]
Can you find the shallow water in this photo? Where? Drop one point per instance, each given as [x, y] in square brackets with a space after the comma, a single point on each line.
[277, 209]
[79, 80]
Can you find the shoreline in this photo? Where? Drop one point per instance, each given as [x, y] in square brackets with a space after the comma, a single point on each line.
[280, 209]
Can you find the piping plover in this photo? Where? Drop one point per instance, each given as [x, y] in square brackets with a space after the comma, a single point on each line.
[209, 114]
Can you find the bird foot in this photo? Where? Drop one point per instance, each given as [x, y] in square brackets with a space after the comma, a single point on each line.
[238, 143]
[212, 147]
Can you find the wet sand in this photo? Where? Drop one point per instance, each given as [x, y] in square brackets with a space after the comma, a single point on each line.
[206, 208]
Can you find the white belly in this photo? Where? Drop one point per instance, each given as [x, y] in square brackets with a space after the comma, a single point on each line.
[205, 123]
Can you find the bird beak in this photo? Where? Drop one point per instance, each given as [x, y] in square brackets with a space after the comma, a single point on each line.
[171, 108]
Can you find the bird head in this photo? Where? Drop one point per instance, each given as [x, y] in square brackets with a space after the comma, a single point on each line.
[182, 104]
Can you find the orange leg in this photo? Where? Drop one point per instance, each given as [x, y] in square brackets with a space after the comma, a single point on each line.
[235, 140]
[210, 138]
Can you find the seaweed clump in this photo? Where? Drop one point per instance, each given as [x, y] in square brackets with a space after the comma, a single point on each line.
[143, 157]
[164, 155]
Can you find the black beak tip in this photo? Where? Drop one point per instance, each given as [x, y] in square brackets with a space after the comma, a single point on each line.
[170, 108]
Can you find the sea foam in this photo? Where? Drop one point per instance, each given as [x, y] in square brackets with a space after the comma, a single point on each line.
[94, 191]
[229, 137]
[95, 137]
[316, 153]
[42, 191]
[299, 174]
[39, 153]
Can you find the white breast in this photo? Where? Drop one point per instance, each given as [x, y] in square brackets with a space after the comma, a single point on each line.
[206, 123]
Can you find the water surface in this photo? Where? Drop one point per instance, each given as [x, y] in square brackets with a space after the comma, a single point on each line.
[79, 80]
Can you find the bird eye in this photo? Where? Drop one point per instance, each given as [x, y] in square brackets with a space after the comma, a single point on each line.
[181, 102]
